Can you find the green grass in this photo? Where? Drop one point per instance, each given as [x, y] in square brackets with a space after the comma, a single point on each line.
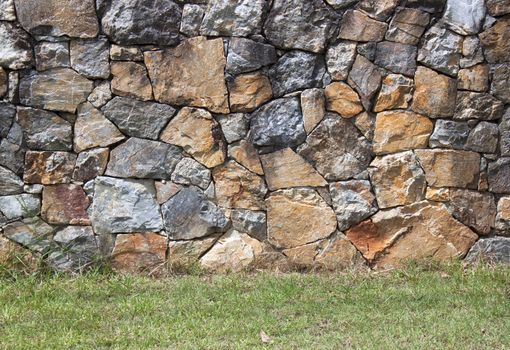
[415, 308]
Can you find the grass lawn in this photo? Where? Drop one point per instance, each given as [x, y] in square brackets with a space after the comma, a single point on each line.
[415, 308]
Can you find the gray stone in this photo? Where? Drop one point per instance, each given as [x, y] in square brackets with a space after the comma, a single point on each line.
[366, 79]
[190, 172]
[124, 206]
[32, 233]
[192, 15]
[341, 4]
[297, 24]
[19, 206]
[474, 209]
[90, 164]
[138, 118]
[483, 138]
[431, 6]
[504, 130]
[339, 59]
[233, 18]
[500, 86]
[472, 52]
[396, 57]
[297, 70]
[245, 55]
[379, 10]
[13, 87]
[449, 134]
[441, 50]
[189, 215]
[279, 124]
[7, 12]
[499, 175]
[367, 50]
[34, 188]
[490, 250]
[12, 150]
[79, 245]
[51, 55]
[10, 183]
[234, 126]
[140, 158]
[464, 16]
[475, 105]
[4, 82]
[101, 94]
[407, 26]
[15, 51]
[251, 222]
[91, 57]
[7, 113]
[129, 22]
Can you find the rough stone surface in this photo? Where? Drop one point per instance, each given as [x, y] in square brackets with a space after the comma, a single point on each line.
[464, 17]
[504, 130]
[449, 134]
[90, 164]
[125, 53]
[475, 78]
[79, 247]
[490, 250]
[313, 108]
[245, 55]
[32, 233]
[166, 190]
[441, 50]
[7, 11]
[483, 138]
[10, 183]
[130, 80]
[357, 26]
[365, 78]
[249, 91]
[503, 214]
[475, 105]
[190, 172]
[101, 94]
[245, 154]
[396, 57]
[49, 168]
[407, 26]
[474, 209]
[500, 86]
[90, 57]
[19, 206]
[192, 15]
[339, 59]
[185, 254]
[254, 223]
[234, 126]
[499, 175]
[435, 93]
[12, 150]
[65, 205]
[396, 92]
[342, 99]
[139, 252]
[472, 52]
[51, 55]
[379, 10]
[496, 42]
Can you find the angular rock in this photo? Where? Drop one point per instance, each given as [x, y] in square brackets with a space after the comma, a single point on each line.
[10, 183]
[475, 78]
[365, 78]
[500, 86]
[472, 52]
[396, 92]
[12, 150]
[124, 206]
[7, 11]
[496, 42]
[101, 94]
[499, 175]
[139, 252]
[65, 205]
[464, 17]
[396, 57]
[340, 4]
[379, 10]
[449, 134]
[32, 233]
[90, 57]
[49, 168]
[353, 202]
[504, 131]
[245, 55]
[298, 216]
[366, 124]
[130, 80]
[474, 105]
[483, 138]
[190, 172]
[90, 163]
[249, 91]
[234, 126]
[339, 59]
[16, 52]
[79, 244]
[313, 108]
[19, 206]
[198, 133]
[407, 26]
[435, 94]
[367, 50]
[438, 194]
[190, 74]
[492, 250]
[342, 99]
[399, 131]
[431, 6]
[166, 190]
[125, 53]
[184, 254]
[503, 214]
[498, 7]
[7, 114]
[192, 15]
[474, 209]
[4, 83]
[51, 55]
[254, 223]
[441, 50]
[357, 26]
[245, 154]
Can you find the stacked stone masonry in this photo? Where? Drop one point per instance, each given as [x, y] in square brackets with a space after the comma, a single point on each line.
[255, 134]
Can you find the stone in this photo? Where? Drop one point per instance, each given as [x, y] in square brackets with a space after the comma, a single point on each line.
[233, 18]
[32, 233]
[475, 105]
[4, 83]
[190, 172]
[357, 26]
[450, 168]
[336, 149]
[475, 78]
[90, 57]
[438, 194]
[503, 214]
[13, 87]
[435, 94]
[379, 10]
[238, 188]
[59, 89]
[192, 15]
[139, 253]
[498, 7]
[130, 80]
[298, 216]
[367, 50]
[65, 205]
[16, 52]
[245, 55]
[399, 131]
[7, 11]
[12, 150]
[499, 175]
[249, 91]
[188, 215]
[396, 57]
[353, 201]
[10, 183]
[504, 131]
[285, 168]
[313, 106]
[396, 93]
[12, 255]
[483, 138]
[464, 17]
[49, 168]
[234, 126]
[303, 25]
[366, 79]
[366, 124]
[50, 55]
[342, 99]
[74, 18]
[18, 206]
[131, 22]
[101, 94]
[138, 118]
[496, 42]
[398, 179]
[7, 114]
[449, 134]
[278, 123]
[297, 70]
[339, 59]
[190, 74]
[431, 6]
[407, 26]
[254, 223]
[198, 134]
[500, 86]
[124, 206]
[472, 52]
[90, 164]
[245, 154]
[79, 244]
[44, 130]
[125, 53]
[390, 237]
[492, 250]
[441, 50]
[474, 209]
[92, 129]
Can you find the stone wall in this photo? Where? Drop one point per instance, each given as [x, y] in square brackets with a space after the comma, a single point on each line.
[251, 134]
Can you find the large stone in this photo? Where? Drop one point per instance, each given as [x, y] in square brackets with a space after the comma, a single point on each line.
[74, 18]
[12, 149]
[475, 78]
[500, 86]
[491, 250]
[249, 91]
[504, 131]
[234, 126]
[190, 172]
[278, 123]
[449, 134]
[464, 17]
[398, 179]
[472, 52]
[191, 20]
[396, 57]
[357, 26]
[496, 42]
[483, 138]
[7, 114]
[366, 79]
[19, 206]
[124, 206]
[431, 6]
[90, 163]
[245, 55]
[15, 52]
[185, 254]
[140, 158]
[339, 59]
[32, 233]
[245, 154]
[139, 253]
[313, 108]
[396, 92]
[449, 168]
[199, 134]
[190, 74]
[251, 222]
[130, 80]
[379, 10]
[498, 7]
[342, 99]
[298, 216]
[90, 57]
[233, 18]
[499, 175]
[475, 105]
[400, 130]
[435, 93]
[52, 55]
[131, 22]
[239, 188]
[7, 11]
[441, 50]
[285, 168]
[65, 205]
[503, 214]
[101, 94]
[60, 89]
[189, 215]
[422, 230]
[79, 246]
[138, 118]
[407, 26]
[474, 209]
[304, 25]
[49, 168]
[10, 183]
[336, 149]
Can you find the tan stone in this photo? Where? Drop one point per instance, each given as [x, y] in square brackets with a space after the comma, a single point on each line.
[130, 80]
[450, 168]
[139, 252]
[504, 208]
[396, 92]
[401, 130]
[248, 91]
[298, 216]
[198, 133]
[342, 99]
[313, 106]
[190, 74]
[435, 93]
[285, 168]
[166, 190]
[245, 154]
[475, 78]
[357, 26]
[65, 205]
[182, 254]
[49, 168]
[496, 41]
[237, 187]
[13, 256]
[437, 194]
[365, 122]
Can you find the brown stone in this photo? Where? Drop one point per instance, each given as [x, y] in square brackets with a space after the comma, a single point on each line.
[48, 168]
[437, 194]
[248, 91]
[396, 92]
[183, 254]
[365, 122]
[3, 82]
[357, 26]
[190, 74]
[65, 205]
[15, 257]
[342, 99]
[130, 80]
[407, 26]
[166, 190]
[199, 134]
[496, 42]
[450, 168]
[245, 154]
[474, 209]
[435, 93]
[298, 216]
[503, 214]
[90, 164]
[399, 131]
[139, 252]
[313, 108]
[475, 78]
[498, 7]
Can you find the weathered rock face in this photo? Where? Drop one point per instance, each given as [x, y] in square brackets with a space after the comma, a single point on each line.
[474, 209]
[90, 57]
[464, 17]
[396, 92]
[441, 50]
[139, 252]
[474, 105]
[52, 55]
[339, 59]
[254, 223]
[500, 82]
[15, 52]
[357, 26]
[499, 172]
[342, 99]
[495, 42]
[475, 78]
[249, 91]
[491, 250]
[365, 78]
[498, 7]
[130, 80]
[245, 55]
[396, 57]
[449, 134]
[10, 183]
[245, 154]
[192, 15]
[234, 126]
[7, 11]
[407, 26]
[90, 163]
[18, 206]
[435, 94]
[190, 172]
[184, 254]
[313, 108]
[49, 168]
[65, 205]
